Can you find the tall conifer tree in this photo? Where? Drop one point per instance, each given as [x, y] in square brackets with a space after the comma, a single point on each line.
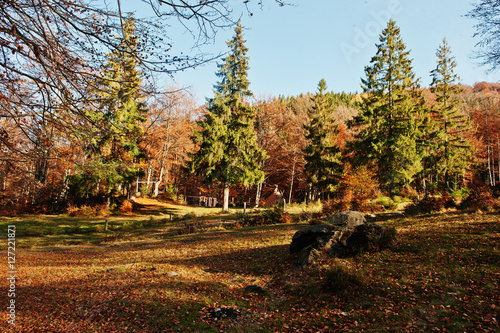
[452, 152]
[113, 140]
[390, 118]
[228, 144]
[322, 153]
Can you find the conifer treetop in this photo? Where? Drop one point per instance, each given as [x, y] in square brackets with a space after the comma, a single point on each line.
[233, 72]
[444, 73]
[391, 66]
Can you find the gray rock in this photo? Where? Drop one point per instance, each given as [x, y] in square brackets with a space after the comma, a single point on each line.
[224, 313]
[171, 273]
[307, 256]
[348, 236]
[315, 235]
[346, 219]
[366, 237]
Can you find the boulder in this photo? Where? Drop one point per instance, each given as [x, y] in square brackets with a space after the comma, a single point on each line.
[365, 237]
[312, 235]
[346, 219]
[307, 256]
[348, 235]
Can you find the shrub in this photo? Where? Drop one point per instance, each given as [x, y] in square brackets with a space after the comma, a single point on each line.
[358, 187]
[72, 210]
[188, 216]
[430, 204]
[480, 197]
[276, 214]
[272, 215]
[87, 211]
[189, 227]
[145, 192]
[250, 220]
[99, 228]
[333, 206]
[461, 193]
[244, 218]
[102, 210]
[285, 218]
[410, 193]
[339, 279]
[386, 202]
[126, 207]
[170, 192]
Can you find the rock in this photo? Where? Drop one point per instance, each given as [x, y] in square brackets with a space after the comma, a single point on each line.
[362, 238]
[346, 219]
[171, 274]
[315, 235]
[307, 256]
[349, 235]
[255, 289]
[224, 313]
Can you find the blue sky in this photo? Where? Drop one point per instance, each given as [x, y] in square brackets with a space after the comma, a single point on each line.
[291, 48]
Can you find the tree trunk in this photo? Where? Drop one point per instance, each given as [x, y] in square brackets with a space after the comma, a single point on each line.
[258, 193]
[157, 183]
[225, 208]
[291, 181]
[489, 180]
[498, 160]
[493, 176]
[150, 171]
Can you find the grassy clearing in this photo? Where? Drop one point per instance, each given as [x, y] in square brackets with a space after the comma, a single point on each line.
[152, 220]
[442, 274]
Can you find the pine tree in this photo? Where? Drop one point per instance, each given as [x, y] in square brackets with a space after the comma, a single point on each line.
[228, 144]
[322, 153]
[452, 152]
[391, 115]
[113, 140]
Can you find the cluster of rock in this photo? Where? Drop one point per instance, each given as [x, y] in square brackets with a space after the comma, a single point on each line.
[344, 234]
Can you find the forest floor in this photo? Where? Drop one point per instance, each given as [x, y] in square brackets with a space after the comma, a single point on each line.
[72, 275]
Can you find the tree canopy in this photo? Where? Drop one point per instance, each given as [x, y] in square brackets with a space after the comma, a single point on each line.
[228, 144]
[388, 125]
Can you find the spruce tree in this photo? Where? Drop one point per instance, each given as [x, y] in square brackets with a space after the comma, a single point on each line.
[322, 154]
[452, 152]
[228, 144]
[113, 137]
[391, 115]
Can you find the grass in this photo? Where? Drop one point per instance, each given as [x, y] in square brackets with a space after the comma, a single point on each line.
[153, 220]
[442, 273]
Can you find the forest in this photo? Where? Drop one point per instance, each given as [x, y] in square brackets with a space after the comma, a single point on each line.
[112, 136]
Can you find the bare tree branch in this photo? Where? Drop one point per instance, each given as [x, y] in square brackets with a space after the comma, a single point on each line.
[487, 13]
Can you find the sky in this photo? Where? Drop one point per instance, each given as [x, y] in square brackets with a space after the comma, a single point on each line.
[292, 48]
